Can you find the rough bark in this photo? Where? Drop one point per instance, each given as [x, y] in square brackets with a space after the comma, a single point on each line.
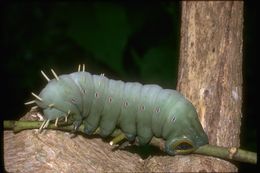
[210, 68]
[209, 75]
[56, 151]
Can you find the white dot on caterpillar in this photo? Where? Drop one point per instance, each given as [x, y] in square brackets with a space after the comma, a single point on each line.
[142, 108]
[125, 104]
[173, 119]
[73, 100]
[109, 99]
[102, 76]
[157, 110]
[96, 95]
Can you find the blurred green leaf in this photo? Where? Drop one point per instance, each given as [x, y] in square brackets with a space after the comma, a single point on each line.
[159, 65]
[100, 28]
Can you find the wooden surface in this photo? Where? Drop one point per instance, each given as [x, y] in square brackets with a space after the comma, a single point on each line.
[55, 151]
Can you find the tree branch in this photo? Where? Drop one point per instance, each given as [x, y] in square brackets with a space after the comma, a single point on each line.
[232, 153]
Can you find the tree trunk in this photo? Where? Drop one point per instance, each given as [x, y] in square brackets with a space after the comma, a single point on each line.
[210, 68]
[209, 75]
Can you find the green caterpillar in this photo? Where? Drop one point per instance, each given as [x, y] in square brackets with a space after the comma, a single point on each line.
[140, 111]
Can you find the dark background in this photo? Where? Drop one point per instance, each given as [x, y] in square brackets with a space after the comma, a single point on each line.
[127, 41]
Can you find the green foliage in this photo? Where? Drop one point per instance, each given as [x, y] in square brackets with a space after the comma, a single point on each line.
[100, 28]
[99, 34]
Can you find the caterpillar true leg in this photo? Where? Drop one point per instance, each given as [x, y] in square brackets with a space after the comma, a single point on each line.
[56, 122]
[117, 139]
[46, 124]
[41, 127]
[76, 125]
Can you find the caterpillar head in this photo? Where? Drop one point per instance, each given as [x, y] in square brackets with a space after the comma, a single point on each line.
[59, 99]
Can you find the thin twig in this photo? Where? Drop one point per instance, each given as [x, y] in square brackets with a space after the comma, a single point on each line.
[232, 153]
[209, 150]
